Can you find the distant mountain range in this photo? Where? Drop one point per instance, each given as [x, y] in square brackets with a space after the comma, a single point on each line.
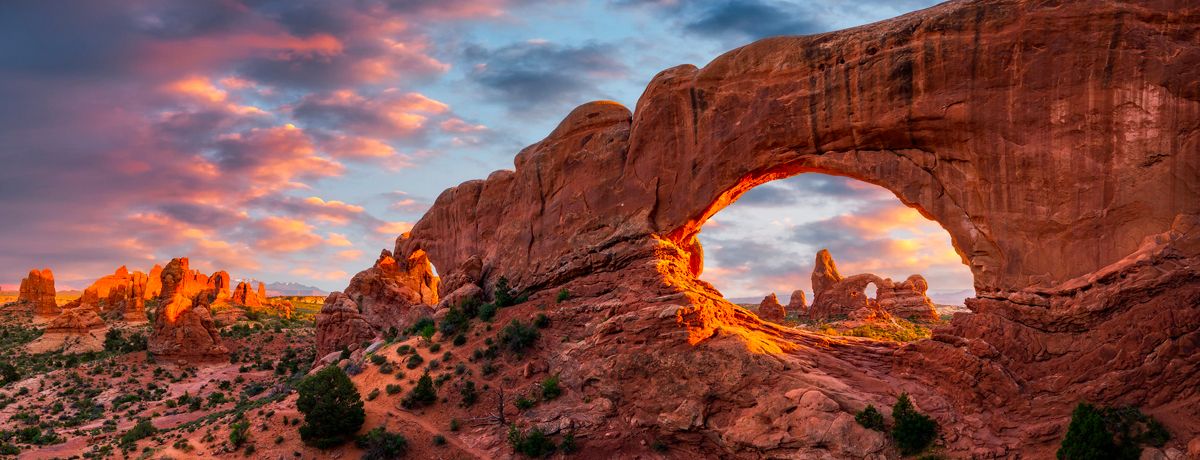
[293, 289]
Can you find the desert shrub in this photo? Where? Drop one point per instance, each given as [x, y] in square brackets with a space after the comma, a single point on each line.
[393, 388]
[455, 322]
[115, 341]
[414, 361]
[550, 388]
[373, 394]
[378, 360]
[468, 393]
[504, 295]
[542, 321]
[9, 449]
[563, 296]
[425, 327]
[517, 336]
[439, 440]
[533, 443]
[421, 395]
[453, 424]
[460, 340]
[913, 431]
[435, 348]
[332, 407]
[8, 373]
[404, 350]
[386, 368]
[488, 311]
[1116, 433]
[523, 403]
[143, 429]
[237, 433]
[870, 418]
[569, 445]
[379, 444]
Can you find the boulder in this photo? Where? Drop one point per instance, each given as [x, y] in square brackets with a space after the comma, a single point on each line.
[907, 299]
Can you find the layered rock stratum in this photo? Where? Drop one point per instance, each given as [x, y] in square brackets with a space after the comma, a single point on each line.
[1056, 142]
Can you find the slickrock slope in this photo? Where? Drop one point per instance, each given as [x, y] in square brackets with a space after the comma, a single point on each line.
[1056, 142]
[183, 326]
[37, 289]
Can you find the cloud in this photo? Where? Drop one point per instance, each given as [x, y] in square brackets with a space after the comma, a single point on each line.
[539, 75]
[747, 20]
[284, 235]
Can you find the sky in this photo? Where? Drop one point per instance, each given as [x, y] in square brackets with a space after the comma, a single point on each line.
[292, 140]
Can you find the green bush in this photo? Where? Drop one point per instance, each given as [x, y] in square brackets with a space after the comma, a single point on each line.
[504, 295]
[569, 445]
[870, 418]
[8, 373]
[332, 407]
[542, 321]
[141, 430]
[913, 431]
[533, 444]
[455, 322]
[421, 395]
[468, 393]
[378, 360]
[393, 388]
[379, 444]
[237, 433]
[563, 295]
[517, 336]
[414, 361]
[488, 311]
[1109, 433]
[550, 388]
[425, 327]
[460, 340]
[523, 403]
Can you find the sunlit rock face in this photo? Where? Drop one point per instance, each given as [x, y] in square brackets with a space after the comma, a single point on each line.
[183, 325]
[771, 310]
[1063, 171]
[837, 296]
[123, 291]
[37, 290]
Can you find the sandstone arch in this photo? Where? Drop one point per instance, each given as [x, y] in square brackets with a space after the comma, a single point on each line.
[1056, 142]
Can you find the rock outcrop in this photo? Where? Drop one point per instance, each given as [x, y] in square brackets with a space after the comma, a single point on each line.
[74, 330]
[183, 325]
[242, 295]
[797, 304]
[340, 325]
[1048, 160]
[393, 294]
[771, 310]
[838, 296]
[907, 299]
[123, 292]
[37, 290]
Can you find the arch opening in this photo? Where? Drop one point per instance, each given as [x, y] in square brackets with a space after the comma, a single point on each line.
[827, 246]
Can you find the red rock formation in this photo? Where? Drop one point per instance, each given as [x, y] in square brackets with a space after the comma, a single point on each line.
[183, 326]
[262, 292]
[770, 309]
[80, 320]
[1048, 159]
[825, 273]
[242, 295]
[121, 291]
[74, 330]
[386, 291]
[340, 325]
[797, 305]
[907, 299]
[37, 289]
[154, 282]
